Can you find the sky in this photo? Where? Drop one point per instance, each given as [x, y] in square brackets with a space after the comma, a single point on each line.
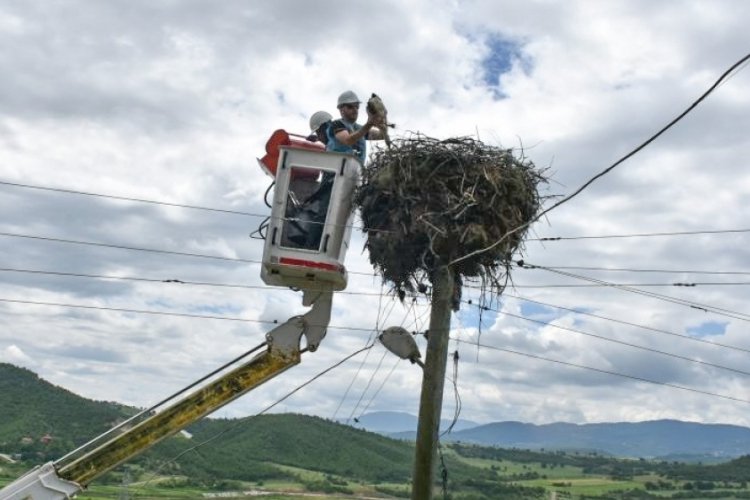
[173, 102]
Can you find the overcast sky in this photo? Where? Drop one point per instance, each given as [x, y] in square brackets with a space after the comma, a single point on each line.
[173, 101]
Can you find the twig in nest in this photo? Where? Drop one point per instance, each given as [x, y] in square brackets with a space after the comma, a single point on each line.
[427, 201]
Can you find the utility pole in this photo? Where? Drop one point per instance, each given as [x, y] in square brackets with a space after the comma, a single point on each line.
[433, 381]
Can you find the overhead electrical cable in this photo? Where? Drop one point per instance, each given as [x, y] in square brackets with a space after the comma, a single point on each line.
[666, 298]
[177, 205]
[171, 281]
[678, 284]
[628, 344]
[373, 273]
[252, 214]
[418, 326]
[364, 360]
[377, 369]
[126, 198]
[364, 391]
[611, 167]
[141, 249]
[638, 235]
[241, 422]
[161, 403]
[655, 271]
[628, 323]
[163, 313]
[608, 372]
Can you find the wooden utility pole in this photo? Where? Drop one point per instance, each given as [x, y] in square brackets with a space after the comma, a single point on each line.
[433, 381]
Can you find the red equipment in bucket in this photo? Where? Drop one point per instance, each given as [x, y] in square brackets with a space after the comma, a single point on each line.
[280, 138]
[311, 214]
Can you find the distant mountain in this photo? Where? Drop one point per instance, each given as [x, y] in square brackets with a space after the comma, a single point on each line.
[43, 421]
[392, 422]
[40, 421]
[653, 439]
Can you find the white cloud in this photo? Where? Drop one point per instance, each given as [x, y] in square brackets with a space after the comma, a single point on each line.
[14, 355]
[171, 103]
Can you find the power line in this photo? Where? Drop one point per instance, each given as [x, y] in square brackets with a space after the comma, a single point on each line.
[636, 270]
[628, 344]
[373, 273]
[639, 235]
[380, 388]
[607, 339]
[608, 372]
[650, 139]
[252, 214]
[241, 422]
[362, 364]
[611, 167]
[628, 323]
[369, 382]
[377, 369]
[170, 204]
[679, 284]
[59, 462]
[417, 326]
[163, 313]
[126, 198]
[125, 247]
[142, 249]
[172, 281]
[666, 298]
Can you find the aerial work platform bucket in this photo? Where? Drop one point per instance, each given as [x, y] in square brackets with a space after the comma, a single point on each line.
[311, 219]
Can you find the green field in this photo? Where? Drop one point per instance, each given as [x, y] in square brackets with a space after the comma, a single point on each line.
[300, 456]
[546, 479]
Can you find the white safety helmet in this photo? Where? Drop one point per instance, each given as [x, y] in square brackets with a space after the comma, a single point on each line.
[319, 118]
[347, 97]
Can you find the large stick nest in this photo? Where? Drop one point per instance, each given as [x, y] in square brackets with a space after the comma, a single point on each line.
[428, 202]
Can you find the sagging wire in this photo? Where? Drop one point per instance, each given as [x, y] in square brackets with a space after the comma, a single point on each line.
[607, 170]
[418, 323]
[456, 395]
[374, 373]
[155, 474]
[262, 231]
[369, 382]
[369, 339]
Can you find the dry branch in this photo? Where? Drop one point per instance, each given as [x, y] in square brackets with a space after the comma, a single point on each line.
[426, 202]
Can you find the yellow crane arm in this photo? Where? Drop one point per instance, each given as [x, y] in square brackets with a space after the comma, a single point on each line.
[56, 481]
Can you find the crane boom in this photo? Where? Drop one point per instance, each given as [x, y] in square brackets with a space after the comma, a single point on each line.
[55, 481]
[307, 239]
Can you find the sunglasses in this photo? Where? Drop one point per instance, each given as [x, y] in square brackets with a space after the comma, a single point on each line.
[350, 106]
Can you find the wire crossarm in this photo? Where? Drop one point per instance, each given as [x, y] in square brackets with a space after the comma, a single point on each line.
[70, 475]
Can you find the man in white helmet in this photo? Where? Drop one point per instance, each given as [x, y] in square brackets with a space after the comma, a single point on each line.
[346, 135]
[319, 123]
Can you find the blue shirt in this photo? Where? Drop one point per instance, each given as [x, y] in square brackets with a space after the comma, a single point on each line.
[359, 149]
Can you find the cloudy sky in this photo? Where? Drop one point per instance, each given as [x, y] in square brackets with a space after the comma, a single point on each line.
[172, 101]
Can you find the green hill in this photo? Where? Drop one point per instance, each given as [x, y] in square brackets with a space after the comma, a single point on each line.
[310, 453]
[305, 442]
[32, 409]
[249, 449]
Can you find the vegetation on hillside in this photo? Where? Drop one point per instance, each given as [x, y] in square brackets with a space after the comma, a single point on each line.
[279, 452]
[38, 419]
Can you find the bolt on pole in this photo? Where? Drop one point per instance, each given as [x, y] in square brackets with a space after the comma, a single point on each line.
[433, 381]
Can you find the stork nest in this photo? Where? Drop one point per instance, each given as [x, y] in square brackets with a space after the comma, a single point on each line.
[427, 202]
